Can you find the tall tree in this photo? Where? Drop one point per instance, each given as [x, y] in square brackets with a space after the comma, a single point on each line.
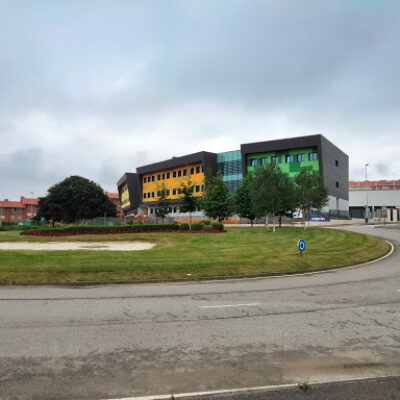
[244, 198]
[189, 202]
[162, 208]
[273, 192]
[73, 199]
[217, 202]
[310, 192]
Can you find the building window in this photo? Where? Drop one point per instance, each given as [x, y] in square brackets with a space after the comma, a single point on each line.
[275, 159]
[337, 184]
[197, 170]
[289, 159]
[202, 169]
[19, 217]
[174, 174]
[174, 192]
[191, 171]
[253, 162]
[300, 157]
[145, 180]
[144, 195]
[167, 175]
[158, 177]
[152, 194]
[12, 217]
[163, 176]
[151, 210]
[264, 160]
[184, 172]
[312, 157]
[167, 192]
[337, 163]
[152, 178]
[179, 173]
[179, 190]
[158, 193]
[170, 209]
[148, 195]
[197, 189]
[174, 209]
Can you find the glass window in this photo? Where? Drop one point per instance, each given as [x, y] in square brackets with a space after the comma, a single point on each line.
[312, 156]
[174, 209]
[191, 171]
[179, 190]
[197, 188]
[253, 162]
[289, 159]
[337, 163]
[197, 170]
[151, 210]
[337, 184]
[145, 180]
[158, 177]
[152, 194]
[202, 169]
[179, 173]
[264, 160]
[275, 159]
[148, 195]
[144, 195]
[174, 191]
[152, 178]
[300, 157]
[174, 174]
[163, 176]
[167, 175]
[167, 192]
[158, 193]
[184, 172]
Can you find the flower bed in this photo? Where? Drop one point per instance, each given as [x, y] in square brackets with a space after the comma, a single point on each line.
[107, 230]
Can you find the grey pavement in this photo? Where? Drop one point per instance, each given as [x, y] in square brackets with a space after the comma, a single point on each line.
[136, 340]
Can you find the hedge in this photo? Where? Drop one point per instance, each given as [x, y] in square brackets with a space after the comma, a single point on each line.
[107, 229]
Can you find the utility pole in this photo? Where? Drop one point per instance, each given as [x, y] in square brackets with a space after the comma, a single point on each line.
[366, 203]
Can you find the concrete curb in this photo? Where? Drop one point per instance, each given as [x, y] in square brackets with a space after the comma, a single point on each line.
[215, 278]
[253, 389]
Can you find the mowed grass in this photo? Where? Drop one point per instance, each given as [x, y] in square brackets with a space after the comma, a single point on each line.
[239, 251]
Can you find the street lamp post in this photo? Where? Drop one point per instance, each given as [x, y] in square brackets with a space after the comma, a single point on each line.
[366, 202]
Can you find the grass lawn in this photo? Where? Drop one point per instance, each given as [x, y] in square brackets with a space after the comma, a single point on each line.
[239, 251]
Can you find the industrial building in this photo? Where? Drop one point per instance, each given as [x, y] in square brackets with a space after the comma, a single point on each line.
[375, 200]
[140, 191]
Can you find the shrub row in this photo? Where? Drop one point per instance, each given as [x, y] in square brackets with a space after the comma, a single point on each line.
[98, 230]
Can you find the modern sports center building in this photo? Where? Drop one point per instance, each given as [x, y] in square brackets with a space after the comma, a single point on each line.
[140, 191]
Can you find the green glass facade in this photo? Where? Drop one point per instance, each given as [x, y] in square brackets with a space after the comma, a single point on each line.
[289, 161]
[230, 165]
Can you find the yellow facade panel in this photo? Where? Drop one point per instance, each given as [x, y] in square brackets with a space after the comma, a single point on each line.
[172, 180]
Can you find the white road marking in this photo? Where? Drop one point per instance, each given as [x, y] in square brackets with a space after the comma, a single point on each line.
[256, 388]
[232, 305]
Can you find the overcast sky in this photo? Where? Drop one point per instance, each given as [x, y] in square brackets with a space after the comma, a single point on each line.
[97, 88]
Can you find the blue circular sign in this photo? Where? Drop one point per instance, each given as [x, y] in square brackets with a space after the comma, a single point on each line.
[301, 244]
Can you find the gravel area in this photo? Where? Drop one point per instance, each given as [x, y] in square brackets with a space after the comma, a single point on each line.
[113, 246]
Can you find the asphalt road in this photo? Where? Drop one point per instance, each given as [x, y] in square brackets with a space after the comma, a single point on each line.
[135, 340]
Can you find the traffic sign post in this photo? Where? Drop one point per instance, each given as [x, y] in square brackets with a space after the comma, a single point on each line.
[301, 244]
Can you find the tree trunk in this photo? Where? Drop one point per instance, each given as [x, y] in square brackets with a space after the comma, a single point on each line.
[190, 220]
[274, 224]
[280, 221]
[266, 221]
[251, 223]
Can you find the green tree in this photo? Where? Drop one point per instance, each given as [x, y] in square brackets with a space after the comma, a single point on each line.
[189, 202]
[311, 192]
[244, 198]
[217, 202]
[162, 208]
[273, 192]
[73, 199]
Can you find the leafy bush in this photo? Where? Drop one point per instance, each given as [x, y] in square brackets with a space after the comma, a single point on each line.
[184, 227]
[205, 222]
[197, 227]
[217, 225]
[104, 229]
[207, 227]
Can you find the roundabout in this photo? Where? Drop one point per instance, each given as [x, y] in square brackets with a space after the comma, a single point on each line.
[115, 341]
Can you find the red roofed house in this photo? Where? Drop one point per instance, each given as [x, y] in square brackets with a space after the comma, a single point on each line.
[114, 197]
[18, 211]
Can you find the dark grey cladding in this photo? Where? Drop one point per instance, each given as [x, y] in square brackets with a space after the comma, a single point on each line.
[132, 181]
[209, 161]
[333, 162]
